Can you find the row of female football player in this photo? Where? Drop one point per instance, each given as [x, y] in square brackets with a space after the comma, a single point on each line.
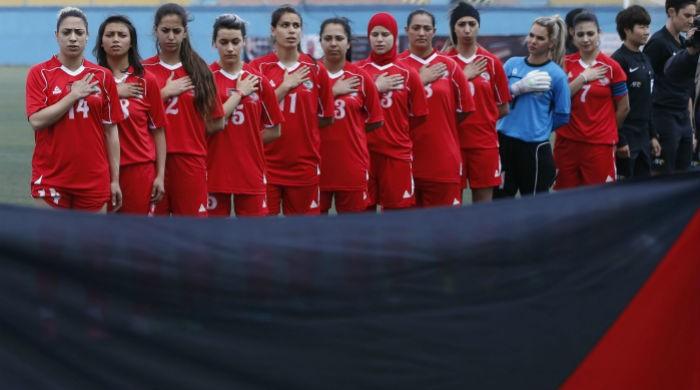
[286, 133]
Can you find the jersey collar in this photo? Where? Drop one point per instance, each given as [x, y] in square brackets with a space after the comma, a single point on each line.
[290, 68]
[171, 67]
[335, 75]
[465, 59]
[73, 73]
[231, 76]
[423, 61]
[382, 67]
[585, 65]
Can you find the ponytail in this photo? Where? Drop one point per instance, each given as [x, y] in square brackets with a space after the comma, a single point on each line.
[556, 29]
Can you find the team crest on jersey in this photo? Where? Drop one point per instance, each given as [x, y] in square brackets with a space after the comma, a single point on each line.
[254, 97]
[272, 82]
[486, 76]
[515, 72]
[308, 84]
[57, 90]
[604, 81]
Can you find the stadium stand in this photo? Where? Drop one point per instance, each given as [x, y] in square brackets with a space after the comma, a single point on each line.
[89, 3]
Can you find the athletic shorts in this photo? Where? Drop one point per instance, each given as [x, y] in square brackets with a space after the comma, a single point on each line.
[482, 168]
[65, 199]
[301, 200]
[136, 182]
[345, 201]
[390, 182]
[433, 194]
[244, 205]
[580, 164]
[185, 186]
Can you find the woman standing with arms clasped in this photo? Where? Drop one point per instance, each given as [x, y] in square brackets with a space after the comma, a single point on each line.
[344, 154]
[141, 133]
[584, 151]
[403, 101]
[541, 103]
[489, 86]
[73, 107]
[438, 162]
[192, 108]
[236, 159]
[304, 91]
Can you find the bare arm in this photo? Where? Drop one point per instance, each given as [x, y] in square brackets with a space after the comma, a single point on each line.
[622, 108]
[503, 110]
[270, 134]
[159, 182]
[214, 125]
[112, 142]
[53, 113]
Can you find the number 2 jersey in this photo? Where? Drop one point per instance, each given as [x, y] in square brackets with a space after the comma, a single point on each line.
[344, 154]
[71, 153]
[141, 115]
[185, 131]
[393, 139]
[236, 160]
[435, 140]
[294, 159]
[593, 117]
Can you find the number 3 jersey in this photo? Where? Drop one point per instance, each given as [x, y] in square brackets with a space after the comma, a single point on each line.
[141, 115]
[294, 159]
[236, 160]
[344, 154]
[185, 131]
[593, 117]
[393, 139]
[71, 153]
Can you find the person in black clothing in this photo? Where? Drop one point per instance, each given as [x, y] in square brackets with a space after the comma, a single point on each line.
[671, 98]
[633, 155]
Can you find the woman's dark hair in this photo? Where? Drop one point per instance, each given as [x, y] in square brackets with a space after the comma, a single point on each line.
[630, 17]
[228, 21]
[279, 12]
[419, 12]
[569, 19]
[68, 12]
[133, 54]
[584, 17]
[196, 68]
[348, 32]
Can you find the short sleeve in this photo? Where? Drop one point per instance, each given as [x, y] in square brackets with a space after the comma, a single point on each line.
[562, 95]
[325, 93]
[619, 75]
[111, 109]
[372, 106]
[416, 95]
[156, 112]
[271, 114]
[501, 87]
[35, 97]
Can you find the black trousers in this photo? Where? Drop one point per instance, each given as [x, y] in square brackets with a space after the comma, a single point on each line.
[675, 137]
[639, 163]
[527, 167]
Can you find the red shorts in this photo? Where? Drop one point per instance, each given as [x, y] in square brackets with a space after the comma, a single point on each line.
[244, 205]
[432, 194]
[390, 182]
[482, 168]
[580, 163]
[303, 200]
[345, 201]
[64, 199]
[136, 182]
[185, 186]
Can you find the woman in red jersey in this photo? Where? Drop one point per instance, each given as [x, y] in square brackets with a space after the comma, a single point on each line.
[236, 159]
[489, 87]
[344, 155]
[73, 107]
[584, 152]
[303, 89]
[192, 108]
[403, 101]
[438, 161]
[141, 133]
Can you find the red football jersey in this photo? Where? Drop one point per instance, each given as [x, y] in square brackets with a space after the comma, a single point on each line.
[489, 89]
[236, 159]
[295, 158]
[141, 114]
[435, 141]
[185, 130]
[71, 153]
[593, 117]
[344, 154]
[393, 139]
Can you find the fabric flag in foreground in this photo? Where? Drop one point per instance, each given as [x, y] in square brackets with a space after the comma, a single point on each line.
[597, 288]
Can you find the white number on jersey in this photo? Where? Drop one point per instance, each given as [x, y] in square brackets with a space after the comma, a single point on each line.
[292, 103]
[472, 89]
[585, 88]
[386, 100]
[428, 90]
[339, 109]
[172, 106]
[82, 106]
[238, 117]
[125, 107]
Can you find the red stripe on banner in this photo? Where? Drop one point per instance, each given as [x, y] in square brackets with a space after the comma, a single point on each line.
[655, 343]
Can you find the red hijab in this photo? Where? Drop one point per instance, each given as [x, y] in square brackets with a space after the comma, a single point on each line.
[388, 22]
